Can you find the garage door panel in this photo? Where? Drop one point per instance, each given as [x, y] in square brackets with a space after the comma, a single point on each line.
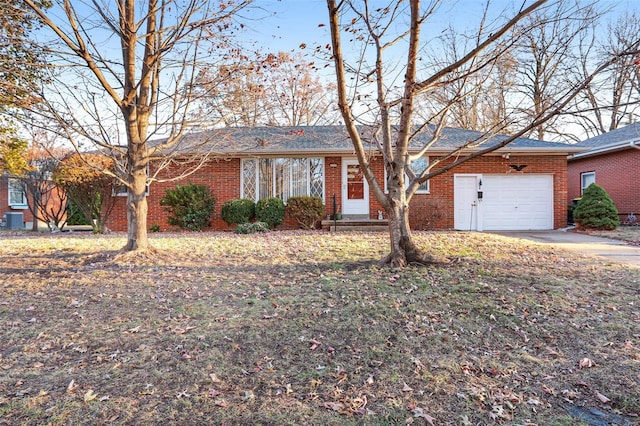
[517, 202]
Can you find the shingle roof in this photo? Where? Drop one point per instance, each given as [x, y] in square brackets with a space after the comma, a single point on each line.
[334, 139]
[616, 140]
[623, 134]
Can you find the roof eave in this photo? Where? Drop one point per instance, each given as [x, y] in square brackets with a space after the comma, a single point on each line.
[606, 149]
[350, 151]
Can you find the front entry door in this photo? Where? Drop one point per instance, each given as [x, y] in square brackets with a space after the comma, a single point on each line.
[355, 190]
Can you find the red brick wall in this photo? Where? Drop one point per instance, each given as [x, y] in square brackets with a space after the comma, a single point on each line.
[616, 172]
[4, 201]
[332, 186]
[223, 177]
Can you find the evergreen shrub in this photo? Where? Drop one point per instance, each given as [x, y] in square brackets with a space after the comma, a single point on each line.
[238, 210]
[251, 228]
[596, 209]
[271, 211]
[189, 206]
[305, 210]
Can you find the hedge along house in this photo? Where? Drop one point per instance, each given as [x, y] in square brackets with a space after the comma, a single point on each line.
[612, 160]
[519, 187]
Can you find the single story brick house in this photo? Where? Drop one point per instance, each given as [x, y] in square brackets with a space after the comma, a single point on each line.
[522, 186]
[612, 160]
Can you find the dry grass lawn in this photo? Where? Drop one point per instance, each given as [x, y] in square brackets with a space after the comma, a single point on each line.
[630, 234]
[304, 328]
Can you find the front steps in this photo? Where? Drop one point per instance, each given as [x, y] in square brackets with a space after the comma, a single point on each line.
[350, 224]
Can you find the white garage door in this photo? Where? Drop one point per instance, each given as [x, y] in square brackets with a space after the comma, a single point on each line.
[510, 202]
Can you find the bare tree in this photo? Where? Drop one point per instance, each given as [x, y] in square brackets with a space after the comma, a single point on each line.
[477, 100]
[613, 99]
[548, 52]
[46, 202]
[272, 89]
[124, 74]
[399, 25]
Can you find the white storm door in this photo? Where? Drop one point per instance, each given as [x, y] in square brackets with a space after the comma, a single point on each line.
[355, 189]
[465, 203]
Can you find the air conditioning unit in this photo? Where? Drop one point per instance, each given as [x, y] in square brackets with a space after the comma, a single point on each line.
[14, 220]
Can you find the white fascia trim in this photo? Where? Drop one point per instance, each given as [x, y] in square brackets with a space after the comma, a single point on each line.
[618, 146]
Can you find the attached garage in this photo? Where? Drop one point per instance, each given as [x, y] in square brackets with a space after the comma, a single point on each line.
[505, 202]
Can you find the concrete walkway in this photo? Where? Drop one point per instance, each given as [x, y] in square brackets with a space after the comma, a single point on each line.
[614, 250]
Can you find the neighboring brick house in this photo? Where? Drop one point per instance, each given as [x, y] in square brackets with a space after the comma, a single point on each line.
[612, 160]
[286, 161]
[13, 200]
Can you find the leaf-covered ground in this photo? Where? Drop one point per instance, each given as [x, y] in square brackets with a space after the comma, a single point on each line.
[630, 234]
[305, 328]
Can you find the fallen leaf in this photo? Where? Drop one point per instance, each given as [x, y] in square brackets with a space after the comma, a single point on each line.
[533, 401]
[602, 398]
[182, 394]
[71, 386]
[586, 363]
[419, 412]
[90, 395]
[551, 351]
[407, 388]
[214, 378]
[181, 330]
[335, 406]
[220, 403]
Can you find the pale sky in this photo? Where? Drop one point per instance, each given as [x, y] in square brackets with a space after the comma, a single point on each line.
[282, 25]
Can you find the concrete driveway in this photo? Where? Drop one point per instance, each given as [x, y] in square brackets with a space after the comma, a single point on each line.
[614, 250]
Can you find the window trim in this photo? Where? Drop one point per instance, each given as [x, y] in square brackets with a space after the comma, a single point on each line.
[419, 190]
[120, 190]
[17, 206]
[256, 160]
[582, 176]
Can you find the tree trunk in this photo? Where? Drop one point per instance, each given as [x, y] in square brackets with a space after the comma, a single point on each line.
[403, 249]
[137, 239]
